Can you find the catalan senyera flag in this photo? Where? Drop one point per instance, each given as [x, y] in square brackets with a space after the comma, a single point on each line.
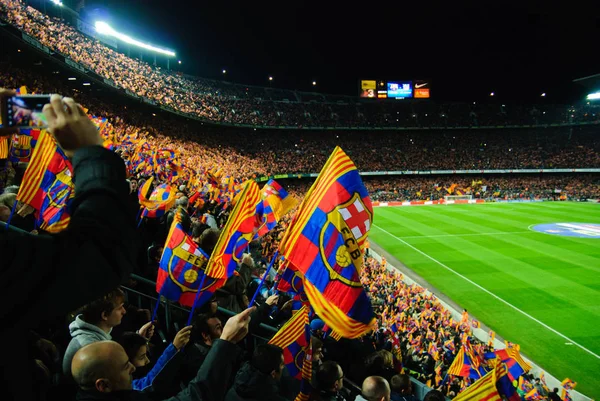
[233, 240]
[161, 200]
[324, 242]
[181, 266]
[4, 146]
[483, 389]
[47, 185]
[293, 340]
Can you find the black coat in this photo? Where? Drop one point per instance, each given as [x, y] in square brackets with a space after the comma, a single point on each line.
[47, 276]
[252, 385]
[210, 382]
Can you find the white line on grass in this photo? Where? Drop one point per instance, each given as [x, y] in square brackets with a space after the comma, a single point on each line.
[467, 235]
[489, 292]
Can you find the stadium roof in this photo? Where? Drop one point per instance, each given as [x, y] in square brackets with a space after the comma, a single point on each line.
[591, 81]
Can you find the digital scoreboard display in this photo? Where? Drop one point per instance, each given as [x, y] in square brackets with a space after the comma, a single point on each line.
[399, 90]
[377, 89]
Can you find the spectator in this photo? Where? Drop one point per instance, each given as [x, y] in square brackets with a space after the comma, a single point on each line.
[402, 388]
[90, 258]
[95, 324]
[330, 381]
[375, 388]
[553, 396]
[103, 371]
[232, 295]
[434, 395]
[259, 379]
[136, 348]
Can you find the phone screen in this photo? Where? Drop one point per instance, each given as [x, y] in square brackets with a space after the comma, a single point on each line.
[26, 111]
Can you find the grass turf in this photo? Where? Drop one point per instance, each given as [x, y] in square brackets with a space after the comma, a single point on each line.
[555, 279]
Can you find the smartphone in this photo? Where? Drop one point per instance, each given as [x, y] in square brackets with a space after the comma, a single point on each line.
[25, 111]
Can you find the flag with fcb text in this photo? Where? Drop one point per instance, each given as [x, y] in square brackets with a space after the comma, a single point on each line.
[324, 242]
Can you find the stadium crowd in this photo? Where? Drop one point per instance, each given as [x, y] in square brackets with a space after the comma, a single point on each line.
[239, 104]
[112, 350]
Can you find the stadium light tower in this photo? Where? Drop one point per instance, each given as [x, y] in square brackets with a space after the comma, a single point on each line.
[105, 29]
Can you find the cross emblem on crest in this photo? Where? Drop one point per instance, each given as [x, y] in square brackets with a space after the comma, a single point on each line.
[357, 218]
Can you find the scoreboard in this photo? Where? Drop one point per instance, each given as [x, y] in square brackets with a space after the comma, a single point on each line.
[377, 89]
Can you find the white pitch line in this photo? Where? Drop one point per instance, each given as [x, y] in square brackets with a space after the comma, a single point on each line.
[467, 235]
[489, 292]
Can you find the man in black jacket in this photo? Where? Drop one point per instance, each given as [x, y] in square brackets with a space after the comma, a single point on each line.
[103, 370]
[259, 379]
[42, 277]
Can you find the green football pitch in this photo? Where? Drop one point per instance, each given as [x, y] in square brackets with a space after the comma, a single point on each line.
[535, 289]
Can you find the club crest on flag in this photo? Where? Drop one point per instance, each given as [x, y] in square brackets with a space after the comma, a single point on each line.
[61, 189]
[353, 221]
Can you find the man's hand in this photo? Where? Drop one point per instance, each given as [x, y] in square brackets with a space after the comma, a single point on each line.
[147, 330]
[182, 338]
[70, 125]
[236, 327]
[5, 93]
[272, 300]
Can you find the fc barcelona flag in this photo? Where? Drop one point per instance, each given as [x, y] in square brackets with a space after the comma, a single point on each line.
[274, 205]
[181, 266]
[324, 242]
[48, 185]
[292, 338]
[22, 145]
[233, 240]
[290, 280]
[161, 199]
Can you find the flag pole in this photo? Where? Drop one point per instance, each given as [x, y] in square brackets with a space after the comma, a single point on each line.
[189, 321]
[262, 281]
[12, 212]
[156, 306]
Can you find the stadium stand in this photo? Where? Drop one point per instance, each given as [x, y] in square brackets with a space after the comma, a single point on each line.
[416, 334]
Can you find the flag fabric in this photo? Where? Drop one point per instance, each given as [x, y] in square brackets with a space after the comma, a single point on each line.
[233, 240]
[4, 146]
[22, 145]
[483, 389]
[475, 323]
[492, 337]
[515, 363]
[181, 266]
[47, 185]
[274, 205]
[466, 364]
[324, 241]
[161, 200]
[533, 395]
[22, 90]
[290, 280]
[293, 340]
[505, 384]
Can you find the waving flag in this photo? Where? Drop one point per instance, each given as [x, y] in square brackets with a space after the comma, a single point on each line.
[233, 240]
[4, 146]
[160, 201]
[48, 185]
[292, 338]
[22, 145]
[181, 266]
[325, 240]
[483, 389]
[274, 205]
[515, 363]
[504, 383]
[290, 280]
[465, 364]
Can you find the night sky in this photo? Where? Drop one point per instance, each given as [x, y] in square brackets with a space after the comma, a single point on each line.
[517, 52]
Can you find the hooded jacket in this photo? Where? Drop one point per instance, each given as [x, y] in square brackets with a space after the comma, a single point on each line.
[253, 385]
[82, 333]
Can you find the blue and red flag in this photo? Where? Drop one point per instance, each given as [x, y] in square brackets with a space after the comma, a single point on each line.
[290, 280]
[294, 340]
[22, 145]
[274, 205]
[160, 201]
[465, 364]
[515, 364]
[181, 266]
[233, 240]
[48, 185]
[505, 385]
[324, 242]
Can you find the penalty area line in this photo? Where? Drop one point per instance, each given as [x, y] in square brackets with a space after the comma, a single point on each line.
[489, 292]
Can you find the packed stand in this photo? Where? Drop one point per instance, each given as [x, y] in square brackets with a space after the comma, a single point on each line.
[239, 104]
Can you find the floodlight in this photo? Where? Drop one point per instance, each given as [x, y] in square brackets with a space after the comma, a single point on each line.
[105, 29]
[492, 94]
[543, 94]
[270, 78]
[57, 2]
[593, 96]
[314, 83]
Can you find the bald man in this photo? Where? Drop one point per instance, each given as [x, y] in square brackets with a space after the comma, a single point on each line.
[103, 370]
[376, 388]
